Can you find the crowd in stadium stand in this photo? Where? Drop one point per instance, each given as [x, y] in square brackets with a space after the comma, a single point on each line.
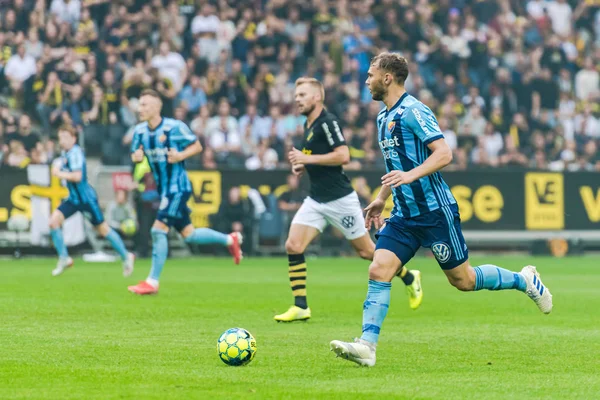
[513, 83]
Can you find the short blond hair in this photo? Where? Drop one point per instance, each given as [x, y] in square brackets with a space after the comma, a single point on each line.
[314, 82]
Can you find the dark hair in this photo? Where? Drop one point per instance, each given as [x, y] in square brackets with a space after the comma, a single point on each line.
[151, 93]
[394, 64]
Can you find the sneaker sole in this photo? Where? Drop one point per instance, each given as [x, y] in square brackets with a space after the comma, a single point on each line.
[143, 294]
[341, 351]
[293, 320]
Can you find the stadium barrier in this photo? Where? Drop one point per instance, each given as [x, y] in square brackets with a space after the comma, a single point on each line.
[498, 208]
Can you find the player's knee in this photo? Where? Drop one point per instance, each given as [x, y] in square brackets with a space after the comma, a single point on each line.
[378, 272]
[54, 223]
[294, 246]
[103, 229]
[463, 283]
[157, 234]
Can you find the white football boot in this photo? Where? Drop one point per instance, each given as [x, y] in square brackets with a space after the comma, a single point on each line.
[128, 265]
[360, 352]
[536, 289]
[62, 265]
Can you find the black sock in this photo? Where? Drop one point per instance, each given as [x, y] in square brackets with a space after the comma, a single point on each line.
[406, 276]
[297, 274]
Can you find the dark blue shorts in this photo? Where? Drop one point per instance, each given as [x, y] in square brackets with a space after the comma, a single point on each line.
[90, 211]
[438, 230]
[174, 212]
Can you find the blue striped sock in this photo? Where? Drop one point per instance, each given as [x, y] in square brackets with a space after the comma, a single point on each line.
[59, 242]
[492, 277]
[375, 309]
[160, 250]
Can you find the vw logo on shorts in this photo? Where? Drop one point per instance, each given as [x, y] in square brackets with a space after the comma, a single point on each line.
[441, 251]
[348, 222]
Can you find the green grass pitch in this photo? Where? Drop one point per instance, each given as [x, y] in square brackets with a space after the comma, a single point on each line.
[83, 336]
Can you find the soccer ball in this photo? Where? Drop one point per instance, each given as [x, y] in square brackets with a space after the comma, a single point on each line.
[128, 227]
[236, 347]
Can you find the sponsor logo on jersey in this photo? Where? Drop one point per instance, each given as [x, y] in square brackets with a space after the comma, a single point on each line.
[388, 146]
[157, 155]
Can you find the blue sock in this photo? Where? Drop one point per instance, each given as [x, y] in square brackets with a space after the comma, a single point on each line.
[491, 277]
[117, 243]
[375, 309]
[207, 236]
[59, 242]
[160, 249]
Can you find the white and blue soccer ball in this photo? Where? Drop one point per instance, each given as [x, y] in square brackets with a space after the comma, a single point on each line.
[236, 347]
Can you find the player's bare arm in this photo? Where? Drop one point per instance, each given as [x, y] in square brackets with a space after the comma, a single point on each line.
[339, 156]
[174, 156]
[441, 156]
[74, 176]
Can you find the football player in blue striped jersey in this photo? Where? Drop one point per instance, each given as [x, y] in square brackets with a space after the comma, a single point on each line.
[425, 212]
[82, 198]
[167, 143]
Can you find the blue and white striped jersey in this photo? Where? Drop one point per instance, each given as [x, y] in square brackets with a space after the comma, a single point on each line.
[404, 131]
[170, 133]
[79, 192]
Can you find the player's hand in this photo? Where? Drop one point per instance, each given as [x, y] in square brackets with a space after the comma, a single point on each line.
[173, 156]
[373, 214]
[56, 171]
[138, 155]
[397, 178]
[298, 169]
[298, 157]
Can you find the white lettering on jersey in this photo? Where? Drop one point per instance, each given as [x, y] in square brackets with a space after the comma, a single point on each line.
[387, 147]
[420, 120]
[327, 133]
[338, 131]
[156, 155]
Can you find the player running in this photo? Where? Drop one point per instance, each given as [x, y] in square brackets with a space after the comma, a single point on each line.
[82, 198]
[167, 143]
[425, 212]
[332, 199]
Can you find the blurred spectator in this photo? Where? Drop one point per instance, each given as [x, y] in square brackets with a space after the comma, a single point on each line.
[66, 11]
[119, 210]
[587, 81]
[19, 68]
[291, 200]
[228, 68]
[236, 215]
[223, 121]
[264, 158]
[192, 97]
[473, 124]
[28, 139]
[511, 156]
[170, 65]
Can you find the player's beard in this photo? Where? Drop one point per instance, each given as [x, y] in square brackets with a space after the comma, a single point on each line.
[307, 110]
[378, 91]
